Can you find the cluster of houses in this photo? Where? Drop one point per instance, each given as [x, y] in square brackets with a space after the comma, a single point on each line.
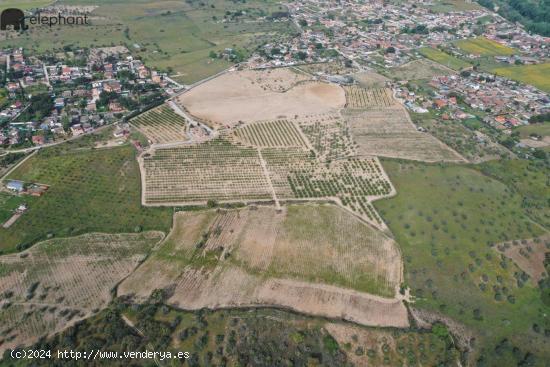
[378, 34]
[75, 81]
[27, 72]
[503, 103]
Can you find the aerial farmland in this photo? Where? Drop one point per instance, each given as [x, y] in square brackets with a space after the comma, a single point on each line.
[268, 183]
[307, 161]
[307, 154]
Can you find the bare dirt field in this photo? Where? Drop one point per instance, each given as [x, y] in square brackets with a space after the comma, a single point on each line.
[275, 80]
[544, 142]
[370, 79]
[239, 96]
[60, 281]
[389, 132]
[316, 259]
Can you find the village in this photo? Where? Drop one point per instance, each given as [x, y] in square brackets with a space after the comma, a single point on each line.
[383, 37]
[55, 97]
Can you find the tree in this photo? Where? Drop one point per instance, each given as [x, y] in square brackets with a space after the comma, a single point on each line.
[539, 118]
[300, 55]
[539, 154]
[440, 330]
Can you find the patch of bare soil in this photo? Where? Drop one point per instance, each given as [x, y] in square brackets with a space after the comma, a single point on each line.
[370, 79]
[528, 255]
[226, 287]
[276, 80]
[238, 96]
[544, 142]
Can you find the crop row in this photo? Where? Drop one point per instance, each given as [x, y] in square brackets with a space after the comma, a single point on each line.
[331, 139]
[215, 170]
[161, 125]
[280, 133]
[358, 97]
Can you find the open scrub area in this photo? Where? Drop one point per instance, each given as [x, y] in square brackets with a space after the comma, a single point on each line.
[460, 229]
[316, 259]
[61, 281]
[263, 337]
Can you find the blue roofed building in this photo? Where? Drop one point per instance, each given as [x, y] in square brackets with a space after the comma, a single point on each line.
[15, 185]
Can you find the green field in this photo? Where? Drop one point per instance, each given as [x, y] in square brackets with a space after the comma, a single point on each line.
[173, 36]
[90, 190]
[536, 75]
[529, 180]
[443, 58]
[542, 129]
[445, 218]
[446, 6]
[484, 47]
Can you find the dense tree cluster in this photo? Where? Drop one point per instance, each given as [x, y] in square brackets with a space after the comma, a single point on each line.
[40, 107]
[540, 118]
[534, 14]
